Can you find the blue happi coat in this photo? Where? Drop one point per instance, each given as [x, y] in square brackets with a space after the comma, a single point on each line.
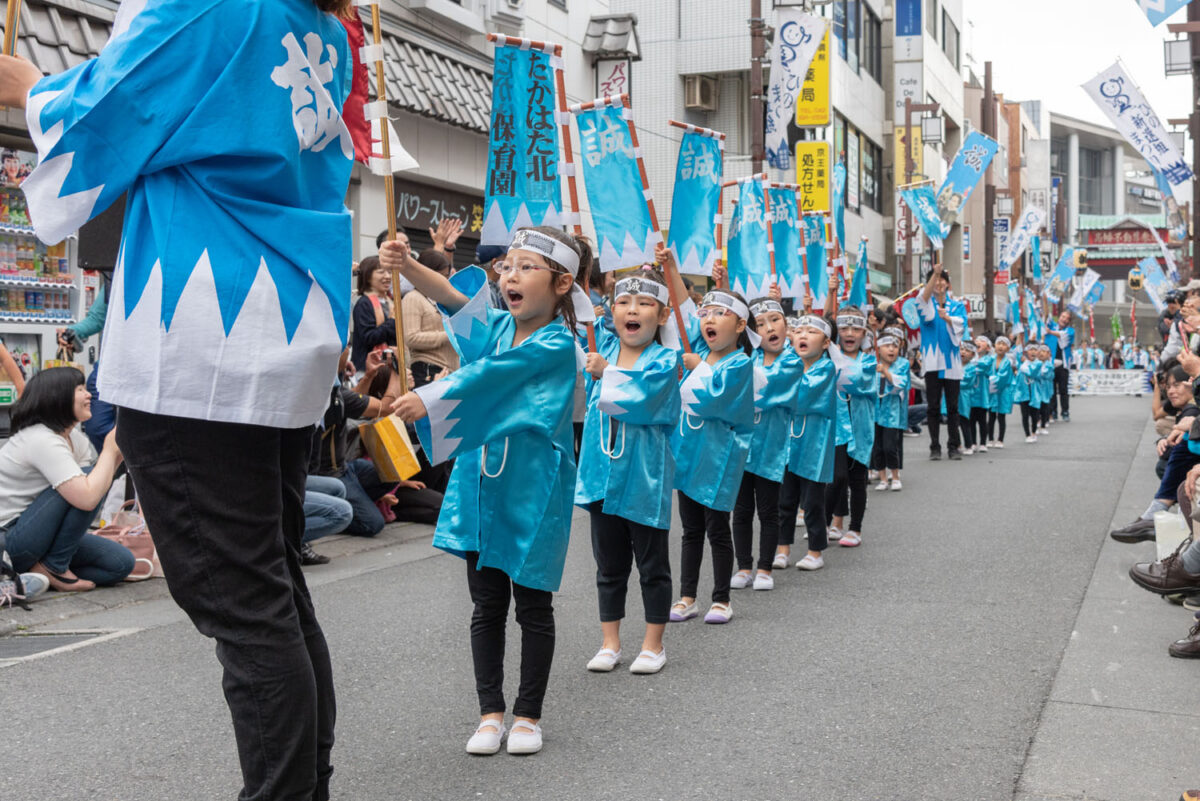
[1026, 379]
[1004, 387]
[625, 460]
[220, 121]
[505, 418]
[968, 388]
[774, 407]
[892, 406]
[984, 371]
[858, 389]
[811, 434]
[1046, 384]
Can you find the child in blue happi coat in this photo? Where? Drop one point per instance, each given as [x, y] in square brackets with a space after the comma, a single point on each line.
[777, 375]
[505, 418]
[858, 386]
[1045, 385]
[981, 401]
[1026, 393]
[626, 467]
[1001, 390]
[966, 395]
[891, 415]
[712, 441]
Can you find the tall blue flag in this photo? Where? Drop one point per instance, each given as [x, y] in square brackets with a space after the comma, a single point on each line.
[973, 158]
[921, 201]
[1157, 11]
[814, 254]
[1156, 283]
[1035, 257]
[1060, 279]
[624, 235]
[785, 232]
[1014, 303]
[839, 204]
[696, 202]
[522, 179]
[749, 258]
[858, 281]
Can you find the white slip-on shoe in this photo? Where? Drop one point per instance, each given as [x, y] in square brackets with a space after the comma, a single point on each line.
[719, 613]
[781, 561]
[649, 662]
[525, 738]
[896, 485]
[604, 661]
[851, 539]
[764, 581]
[881, 486]
[681, 611]
[833, 533]
[486, 739]
[741, 580]
[810, 562]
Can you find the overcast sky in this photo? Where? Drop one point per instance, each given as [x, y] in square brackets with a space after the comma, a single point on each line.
[1044, 49]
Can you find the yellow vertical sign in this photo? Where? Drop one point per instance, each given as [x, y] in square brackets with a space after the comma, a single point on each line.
[917, 153]
[813, 105]
[813, 176]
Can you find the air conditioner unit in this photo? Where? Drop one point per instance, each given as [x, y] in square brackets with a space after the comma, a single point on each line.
[700, 92]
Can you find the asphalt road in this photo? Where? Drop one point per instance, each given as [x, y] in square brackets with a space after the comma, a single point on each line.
[914, 667]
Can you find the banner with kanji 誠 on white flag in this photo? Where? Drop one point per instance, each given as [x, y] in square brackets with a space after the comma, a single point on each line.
[798, 34]
[1123, 102]
[1029, 224]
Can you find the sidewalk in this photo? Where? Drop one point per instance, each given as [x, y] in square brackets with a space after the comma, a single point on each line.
[1122, 719]
[56, 607]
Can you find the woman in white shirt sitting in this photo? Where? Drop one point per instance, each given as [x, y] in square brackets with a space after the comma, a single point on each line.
[52, 483]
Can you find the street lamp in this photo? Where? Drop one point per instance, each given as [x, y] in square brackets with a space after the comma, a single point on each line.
[1177, 57]
[1004, 205]
[933, 130]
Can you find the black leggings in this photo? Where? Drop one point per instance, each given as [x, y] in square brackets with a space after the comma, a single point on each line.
[968, 430]
[792, 493]
[1029, 417]
[849, 478]
[888, 453]
[616, 544]
[491, 590]
[995, 418]
[1045, 414]
[979, 418]
[697, 520]
[763, 493]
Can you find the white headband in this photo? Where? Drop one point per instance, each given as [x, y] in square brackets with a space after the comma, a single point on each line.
[895, 332]
[888, 340]
[851, 321]
[970, 346]
[726, 301]
[640, 286]
[548, 246]
[765, 306]
[1005, 340]
[813, 321]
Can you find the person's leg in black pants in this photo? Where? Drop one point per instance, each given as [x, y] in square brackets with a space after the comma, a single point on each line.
[856, 478]
[1062, 386]
[837, 502]
[761, 495]
[950, 387]
[813, 495]
[933, 417]
[698, 520]
[790, 494]
[979, 416]
[1026, 418]
[743, 523]
[226, 505]
[968, 435]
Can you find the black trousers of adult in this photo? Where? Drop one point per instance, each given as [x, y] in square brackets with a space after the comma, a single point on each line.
[935, 388]
[997, 425]
[847, 494]
[698, 520]
[888, 453]
[226, 505]
[1029, 418]
[616, 544]
[795, 491]
[762, 494]
[979, 420]
[1061, 399]
[491, 590]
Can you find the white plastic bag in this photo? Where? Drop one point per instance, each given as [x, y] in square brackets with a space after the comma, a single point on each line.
[113, 501]
[1170, 529]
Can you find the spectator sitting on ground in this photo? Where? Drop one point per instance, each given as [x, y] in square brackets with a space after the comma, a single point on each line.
[326, 512]
[52, 484]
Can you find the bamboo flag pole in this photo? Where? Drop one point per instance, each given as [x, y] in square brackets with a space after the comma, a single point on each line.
[12, 24]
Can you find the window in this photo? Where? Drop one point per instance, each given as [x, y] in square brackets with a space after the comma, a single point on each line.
[562, 4]
[950, 40]
[847, 28]
[872, 176]
[872, 45]
[931, 17]
[839, 25]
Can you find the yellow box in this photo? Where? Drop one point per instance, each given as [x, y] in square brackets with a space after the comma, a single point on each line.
[388, 443]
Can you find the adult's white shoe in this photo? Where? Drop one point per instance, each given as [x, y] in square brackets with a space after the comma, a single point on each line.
[851, 539]
[764, 581]
[525, 738]
[781, 561]
[896, 485]
[741, 580]
[881, 486]
[649, 662]
[486, 739]
[604, 661]
[810, 562]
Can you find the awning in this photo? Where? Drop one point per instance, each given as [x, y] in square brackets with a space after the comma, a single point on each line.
[612, 37]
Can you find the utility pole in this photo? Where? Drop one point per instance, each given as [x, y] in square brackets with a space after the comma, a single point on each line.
[758, 111]
[910, 168]
[988, 118]
[1193, 15]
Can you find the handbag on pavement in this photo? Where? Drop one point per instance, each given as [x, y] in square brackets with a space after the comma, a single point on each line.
[128, 528]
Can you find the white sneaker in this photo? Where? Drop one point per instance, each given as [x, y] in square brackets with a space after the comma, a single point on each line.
[741, 580]
[881, 486]
[35, 585]
[764, 581]
[525, 738]
[969, 450]
[719, 613]
[604, 661]
[896, 485]
[781, 561]
[981, 449]
[851, 539]
[810, 562]
[998, 444]
[486, 739]
[1031, 438]
[649, 662]
[1043, 430]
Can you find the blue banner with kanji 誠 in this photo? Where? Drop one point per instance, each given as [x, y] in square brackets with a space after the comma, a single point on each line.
[923, 204]
[1157, 11]
[620, 215]
[696, 203]
[785, 232]
[1060, 279]
[749, 257]
[1156, 283]
[814, 254]
[522, 187]
[969, 165]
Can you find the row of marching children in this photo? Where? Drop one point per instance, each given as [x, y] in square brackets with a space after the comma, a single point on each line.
[997, 376]
[727, 409]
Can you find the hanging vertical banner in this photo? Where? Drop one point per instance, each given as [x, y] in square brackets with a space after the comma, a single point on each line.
[1157, 11]
[1123, 102]
[749, 256]
[916, 151]
[910, 35]
[923, 204]
[1060, 279]
[798, 34]
[839, 204]
[813, 107]
[857, 296]
[1093, 297]
[785, 231]
[695, 203]
[814, 254]
[522, 186]
[1175, 220]
[973, 158]
[1014, 303]
[1028, 224]
[905, 239]
[1156, 283]
[812, 174]
[625, 236]
[1035, 258]
[1037, 326]
[1083, 291]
